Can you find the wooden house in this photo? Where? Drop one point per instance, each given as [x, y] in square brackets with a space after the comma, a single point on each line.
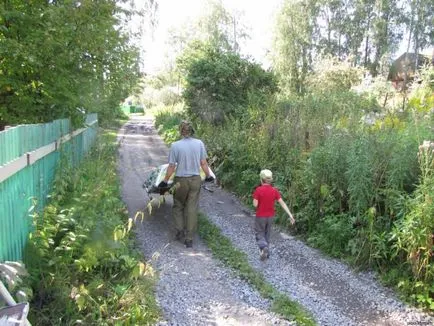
[404, 68]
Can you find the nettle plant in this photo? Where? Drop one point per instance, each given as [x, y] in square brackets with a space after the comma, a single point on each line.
[79, 254]
[414, 233]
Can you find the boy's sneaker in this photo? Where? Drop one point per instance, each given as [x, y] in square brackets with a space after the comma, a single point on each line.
[264, 253]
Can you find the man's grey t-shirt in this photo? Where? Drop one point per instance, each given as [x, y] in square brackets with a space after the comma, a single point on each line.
[187, 154]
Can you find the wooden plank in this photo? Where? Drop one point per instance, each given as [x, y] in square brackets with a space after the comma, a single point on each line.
[14, 315]
[41, 152]
[64, 139]
[4, 293]
[13, 167]
[9, 169]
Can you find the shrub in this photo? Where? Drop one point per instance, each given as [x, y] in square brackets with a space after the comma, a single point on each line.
[167, 123]
[331, 74]
[414, 232]
[219, 83]
[332, 234]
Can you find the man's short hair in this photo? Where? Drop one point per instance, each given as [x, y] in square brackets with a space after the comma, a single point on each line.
[186, 128]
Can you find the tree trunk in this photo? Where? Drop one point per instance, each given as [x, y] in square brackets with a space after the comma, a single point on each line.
[367, 43]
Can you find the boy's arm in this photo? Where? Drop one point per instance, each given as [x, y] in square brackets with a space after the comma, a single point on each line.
[286, 209]
[255, 203]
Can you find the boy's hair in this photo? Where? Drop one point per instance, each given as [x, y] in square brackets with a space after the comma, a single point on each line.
[266, 176]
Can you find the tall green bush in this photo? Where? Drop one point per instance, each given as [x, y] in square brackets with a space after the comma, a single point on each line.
[218, 83]
[167, 123]
[414, 233]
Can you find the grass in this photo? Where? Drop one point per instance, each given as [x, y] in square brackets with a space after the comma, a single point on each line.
[223, 249]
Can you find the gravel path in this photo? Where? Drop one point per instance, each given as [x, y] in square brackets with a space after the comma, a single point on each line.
[196, 289]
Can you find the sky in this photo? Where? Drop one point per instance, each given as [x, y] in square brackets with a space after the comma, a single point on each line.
[257, 15]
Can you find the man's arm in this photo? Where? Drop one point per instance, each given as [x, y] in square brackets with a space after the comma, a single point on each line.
[170, 169]
[286, 209]
[205, 167]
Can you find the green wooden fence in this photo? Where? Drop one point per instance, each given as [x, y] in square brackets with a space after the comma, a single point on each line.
[28, 158]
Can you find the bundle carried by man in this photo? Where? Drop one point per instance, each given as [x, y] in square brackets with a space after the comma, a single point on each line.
[157, 175]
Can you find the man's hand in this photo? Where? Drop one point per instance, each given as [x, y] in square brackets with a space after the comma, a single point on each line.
[162, 184]
[209, 179]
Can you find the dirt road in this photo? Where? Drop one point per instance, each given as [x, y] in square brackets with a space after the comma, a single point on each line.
[195, 289]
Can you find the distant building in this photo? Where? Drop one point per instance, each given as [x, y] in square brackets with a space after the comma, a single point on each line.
[403, 69]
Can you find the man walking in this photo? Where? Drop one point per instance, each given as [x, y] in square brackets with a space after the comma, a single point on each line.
[187, 156]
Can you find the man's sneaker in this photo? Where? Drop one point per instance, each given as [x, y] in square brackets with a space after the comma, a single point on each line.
[264, 253]
[188, 243]
[178, 235]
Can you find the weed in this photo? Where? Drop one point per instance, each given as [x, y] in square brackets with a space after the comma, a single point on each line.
[80, 259]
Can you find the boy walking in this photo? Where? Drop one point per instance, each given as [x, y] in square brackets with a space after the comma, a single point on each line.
[264, 198]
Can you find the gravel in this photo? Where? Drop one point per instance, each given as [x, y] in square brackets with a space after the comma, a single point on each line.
[194, 288]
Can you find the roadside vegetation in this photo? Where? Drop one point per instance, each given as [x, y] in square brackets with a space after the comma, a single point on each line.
[83, 268]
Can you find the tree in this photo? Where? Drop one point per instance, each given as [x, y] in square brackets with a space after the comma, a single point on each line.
[293, 45]
[220, 27]
[56, 57]
[217, 26]
[419, 22]
[386, 32]
[331, 25]
[220, 83]
[361, 30]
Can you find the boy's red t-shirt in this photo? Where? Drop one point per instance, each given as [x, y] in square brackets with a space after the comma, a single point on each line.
[266, 195]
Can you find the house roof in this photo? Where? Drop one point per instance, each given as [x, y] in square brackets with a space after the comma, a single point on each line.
[406, 63]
